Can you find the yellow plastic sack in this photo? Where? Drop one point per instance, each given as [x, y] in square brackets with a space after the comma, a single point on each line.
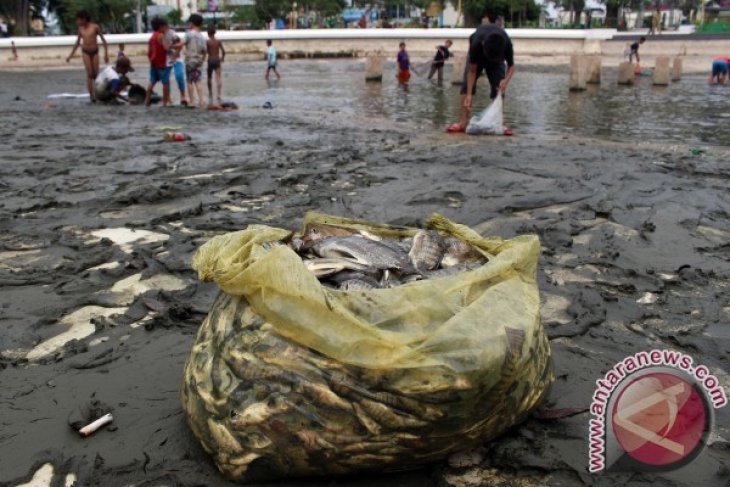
[291, 378]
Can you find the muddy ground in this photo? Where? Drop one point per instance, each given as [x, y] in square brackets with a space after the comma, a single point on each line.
[612, 217]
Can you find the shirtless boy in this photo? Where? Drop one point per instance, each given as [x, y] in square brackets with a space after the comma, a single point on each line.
[87, 33]
[216, 56]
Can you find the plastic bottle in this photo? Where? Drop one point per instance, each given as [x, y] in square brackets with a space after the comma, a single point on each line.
[176, 137]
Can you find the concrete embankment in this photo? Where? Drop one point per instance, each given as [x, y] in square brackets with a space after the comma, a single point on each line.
[532, 46]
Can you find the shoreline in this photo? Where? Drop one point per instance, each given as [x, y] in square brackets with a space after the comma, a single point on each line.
[535, 46]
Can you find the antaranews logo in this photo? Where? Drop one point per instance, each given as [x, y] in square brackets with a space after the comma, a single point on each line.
[652, 411]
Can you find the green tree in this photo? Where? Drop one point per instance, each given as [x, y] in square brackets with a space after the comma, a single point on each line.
[325, 8]
[516, 12]
[267, 10]
[174, 17]
[575, 7]
[20, 12]
[115, 16]
[247, 16]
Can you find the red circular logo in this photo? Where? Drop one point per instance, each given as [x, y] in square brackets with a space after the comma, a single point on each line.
[660, 419]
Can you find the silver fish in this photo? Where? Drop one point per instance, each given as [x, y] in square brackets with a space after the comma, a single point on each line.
[427, 250]
[326, 267]
[365, 251]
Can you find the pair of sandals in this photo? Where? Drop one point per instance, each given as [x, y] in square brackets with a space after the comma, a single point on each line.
[457, 128]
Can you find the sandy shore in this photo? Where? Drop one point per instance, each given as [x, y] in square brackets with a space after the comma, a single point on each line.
[99, 221]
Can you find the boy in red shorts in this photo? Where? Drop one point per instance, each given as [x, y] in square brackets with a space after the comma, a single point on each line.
[403, 65]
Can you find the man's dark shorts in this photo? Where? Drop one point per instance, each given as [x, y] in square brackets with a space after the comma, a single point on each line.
[495, 74]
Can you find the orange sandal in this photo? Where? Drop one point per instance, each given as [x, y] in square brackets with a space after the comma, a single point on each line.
[455, 128]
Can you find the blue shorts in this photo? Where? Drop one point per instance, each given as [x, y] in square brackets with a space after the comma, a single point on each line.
[719, 67]
[160, 74]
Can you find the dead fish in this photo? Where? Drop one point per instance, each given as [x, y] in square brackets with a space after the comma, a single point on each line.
[312, 441]
[259, 412]
[458, 251]
[322, 395]
[223, 438]
[427, 250]
[368, 423]
[328, 266]
[366, 447]
[357, 285]
[387, 417]
[244, 459]
[364, 251]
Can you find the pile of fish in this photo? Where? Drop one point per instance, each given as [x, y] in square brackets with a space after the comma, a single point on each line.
[372, 381]
[357, 260]
[266, 407]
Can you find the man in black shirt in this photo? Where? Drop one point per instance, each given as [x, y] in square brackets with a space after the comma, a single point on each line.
[489, 48]
[437, 65]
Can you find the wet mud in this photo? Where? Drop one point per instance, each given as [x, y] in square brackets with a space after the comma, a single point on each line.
[98, 305]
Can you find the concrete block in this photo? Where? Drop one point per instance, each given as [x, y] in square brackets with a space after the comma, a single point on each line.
[677, 69]
[661, 71]
[459, 64]
[578, 72]
[626, 73]
[374, 67]
[594, 70]
[592, 47]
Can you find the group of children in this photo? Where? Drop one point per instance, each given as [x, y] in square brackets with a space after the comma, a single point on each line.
[165, 53]
[168, 54]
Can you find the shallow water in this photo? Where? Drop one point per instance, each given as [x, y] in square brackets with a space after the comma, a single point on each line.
[538, 101]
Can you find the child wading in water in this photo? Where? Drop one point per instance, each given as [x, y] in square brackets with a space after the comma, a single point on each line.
[403, 65]
[271, 60]
[86, 38]
[216, 56]
[634, 50]
[720, 69]
[157, 54]
[437, 65]
[195, 51]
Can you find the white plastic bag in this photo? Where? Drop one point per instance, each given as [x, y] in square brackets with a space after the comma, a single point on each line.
[489, 121]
